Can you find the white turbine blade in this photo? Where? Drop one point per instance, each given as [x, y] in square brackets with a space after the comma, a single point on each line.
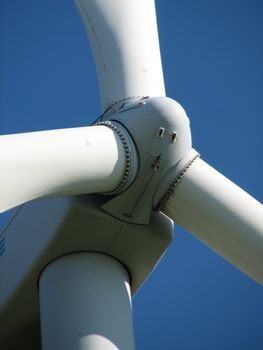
[124, 40]
[59, 162]
[221, 215]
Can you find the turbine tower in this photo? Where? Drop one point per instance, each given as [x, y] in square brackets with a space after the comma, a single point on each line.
[100, 221]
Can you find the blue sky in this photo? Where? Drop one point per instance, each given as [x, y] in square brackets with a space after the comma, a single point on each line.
[212, 54]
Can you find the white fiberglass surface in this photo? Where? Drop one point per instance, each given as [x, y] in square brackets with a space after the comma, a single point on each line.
[222, 215]
[125, 44]
[59, 162]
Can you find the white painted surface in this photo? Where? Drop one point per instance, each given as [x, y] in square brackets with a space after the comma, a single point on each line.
[221, 215]
[45, 229]
[124, 40]
[59, 162]
[85, 304]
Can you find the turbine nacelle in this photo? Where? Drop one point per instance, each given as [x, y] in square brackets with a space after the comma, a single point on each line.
[57, 227]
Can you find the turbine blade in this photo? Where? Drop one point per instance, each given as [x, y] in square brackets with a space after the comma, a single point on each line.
[59, 162]
[221, 215]
[124, 39]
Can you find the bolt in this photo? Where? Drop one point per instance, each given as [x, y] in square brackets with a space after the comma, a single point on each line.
[174, 136]
[161, 132]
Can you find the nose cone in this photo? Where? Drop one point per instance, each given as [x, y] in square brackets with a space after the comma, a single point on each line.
[160, 130]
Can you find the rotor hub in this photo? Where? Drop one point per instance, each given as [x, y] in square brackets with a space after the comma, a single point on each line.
[160, 130]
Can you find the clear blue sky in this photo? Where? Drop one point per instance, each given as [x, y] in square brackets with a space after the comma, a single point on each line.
[212, 54]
